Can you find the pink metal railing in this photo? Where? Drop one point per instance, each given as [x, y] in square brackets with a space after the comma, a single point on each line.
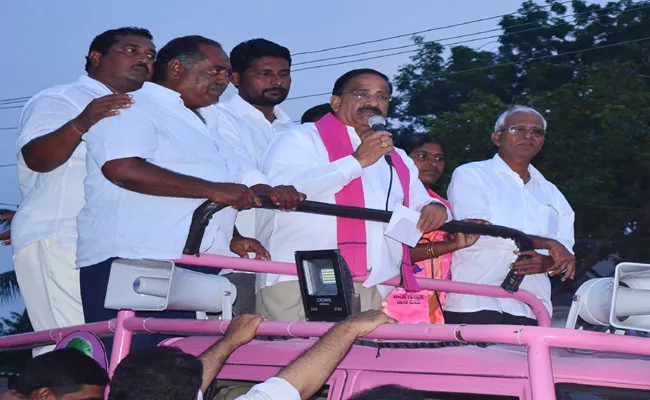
[538, 340]
[242, 264]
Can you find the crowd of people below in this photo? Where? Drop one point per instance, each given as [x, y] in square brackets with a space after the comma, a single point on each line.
[113, 165]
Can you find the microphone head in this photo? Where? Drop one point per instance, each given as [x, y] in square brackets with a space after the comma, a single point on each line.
[376, 120]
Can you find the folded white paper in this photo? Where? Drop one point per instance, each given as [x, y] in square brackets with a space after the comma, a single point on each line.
[403, 226]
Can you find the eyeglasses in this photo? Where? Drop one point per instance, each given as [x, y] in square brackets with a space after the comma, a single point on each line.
[521, 130]
[430, 157]
[366, 96]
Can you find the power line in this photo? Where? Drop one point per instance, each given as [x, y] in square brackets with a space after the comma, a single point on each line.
[8, 108]
[486, 67]
[388, 55]
[7, 128]
[13, 102]
[545, 57]
[9, 204]
[416, 32]
[14, 99]
[466, 35]
[7, 165]
[307, 96]
[414, 50]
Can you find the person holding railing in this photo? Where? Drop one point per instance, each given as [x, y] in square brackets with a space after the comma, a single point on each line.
[341, 160]
[507, 190]
[247, 122]
[432, 256]
[151, 166]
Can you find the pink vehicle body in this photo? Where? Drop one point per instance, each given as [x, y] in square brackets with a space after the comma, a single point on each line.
[519, 362]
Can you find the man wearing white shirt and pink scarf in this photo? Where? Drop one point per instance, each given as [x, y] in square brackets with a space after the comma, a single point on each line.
[340, 160]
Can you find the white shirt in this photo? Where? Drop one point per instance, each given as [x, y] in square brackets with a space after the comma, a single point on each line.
[52, 200]
[491, 190]
[245, 129]
[272, 389]
[116, 222]
[298, 157]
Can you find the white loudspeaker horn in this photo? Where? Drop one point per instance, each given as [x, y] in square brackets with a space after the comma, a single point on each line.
[592, 302]
[631, 298]
[157, 285]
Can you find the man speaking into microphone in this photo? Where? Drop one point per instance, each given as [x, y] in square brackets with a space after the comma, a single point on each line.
[345, 158]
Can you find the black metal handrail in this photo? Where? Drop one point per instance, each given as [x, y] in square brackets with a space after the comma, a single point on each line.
[203, 214]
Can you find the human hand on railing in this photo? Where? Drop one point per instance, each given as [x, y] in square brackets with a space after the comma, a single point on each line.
[284, 197]
[432, 216]
[242, 246]
[563, 260]
[242, 329]
[532, 263]
[462, 240]
[238, 196]
[363, 323]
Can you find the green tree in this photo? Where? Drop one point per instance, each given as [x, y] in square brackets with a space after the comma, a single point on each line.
[587, 71]
[15, 360]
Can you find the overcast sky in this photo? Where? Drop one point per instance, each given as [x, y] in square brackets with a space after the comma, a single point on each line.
[44, 43]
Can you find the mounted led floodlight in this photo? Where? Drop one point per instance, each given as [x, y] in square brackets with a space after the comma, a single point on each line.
[326, 286]
[157, 285]
[622, 302]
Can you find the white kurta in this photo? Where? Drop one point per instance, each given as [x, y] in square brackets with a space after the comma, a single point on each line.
[245, 129]
[298, 157]
[116, 222]
[491, 190]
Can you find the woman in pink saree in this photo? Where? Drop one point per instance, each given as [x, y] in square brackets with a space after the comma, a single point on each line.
[432, 256]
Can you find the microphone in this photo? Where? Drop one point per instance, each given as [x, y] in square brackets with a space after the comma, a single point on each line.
[378, 124]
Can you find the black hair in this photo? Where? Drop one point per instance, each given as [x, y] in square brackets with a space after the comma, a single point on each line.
[315, 113]
[103, 42]
[339, 85]
[62, 371]
[161, 373]
[186, 49]
[388, 392]
[244, 53]
[411, 141]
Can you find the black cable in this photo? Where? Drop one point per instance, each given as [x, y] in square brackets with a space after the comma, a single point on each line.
[417, 32]
[479, 68]
[14, 100]
[390, 183]
[504, 34]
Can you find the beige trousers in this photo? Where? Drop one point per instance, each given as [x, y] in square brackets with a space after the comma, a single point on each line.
[49, 284]
[283, 302]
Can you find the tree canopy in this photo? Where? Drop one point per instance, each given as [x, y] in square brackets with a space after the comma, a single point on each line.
[585, 68]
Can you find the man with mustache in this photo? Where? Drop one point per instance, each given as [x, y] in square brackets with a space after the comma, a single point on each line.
[340, 160]
[250, 120]
[150, 167]
[52, 167]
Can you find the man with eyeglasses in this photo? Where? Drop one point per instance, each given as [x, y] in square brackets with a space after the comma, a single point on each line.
[340, 160]
[507, 190]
